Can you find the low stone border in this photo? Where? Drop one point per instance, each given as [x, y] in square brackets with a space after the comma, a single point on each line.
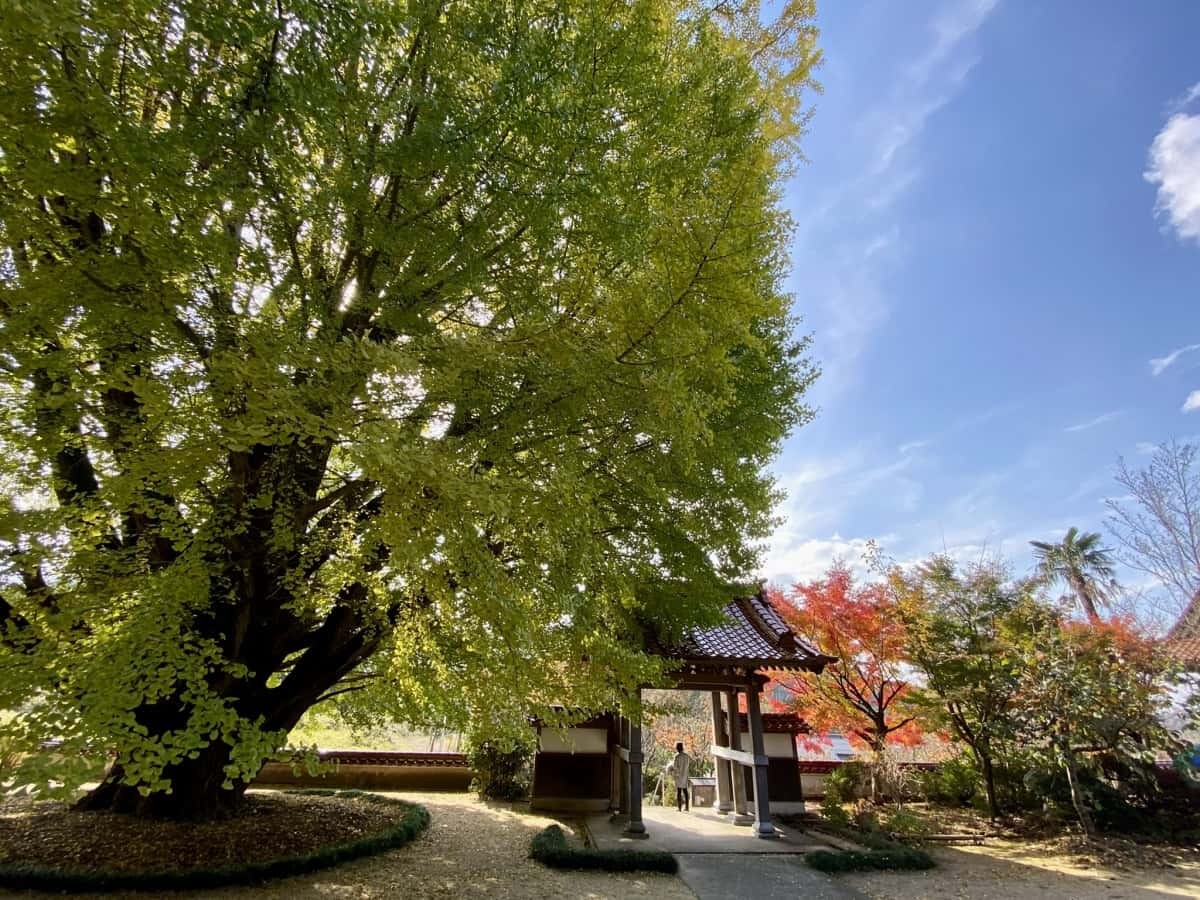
[550, 848]
[411, 824]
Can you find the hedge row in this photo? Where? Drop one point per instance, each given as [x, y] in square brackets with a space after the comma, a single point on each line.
[415, 819]
[862, 861]
[550, 848]
[882, 853]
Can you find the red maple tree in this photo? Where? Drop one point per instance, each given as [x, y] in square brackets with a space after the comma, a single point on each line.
[867, 694]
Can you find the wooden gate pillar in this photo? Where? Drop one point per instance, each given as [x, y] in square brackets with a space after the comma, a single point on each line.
[724, 775]
[636, 827]
[763, 827]
[740, 815]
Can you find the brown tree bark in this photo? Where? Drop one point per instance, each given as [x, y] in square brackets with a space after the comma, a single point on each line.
[197, 791]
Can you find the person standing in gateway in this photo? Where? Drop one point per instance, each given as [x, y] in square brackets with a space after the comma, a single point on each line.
[679, 772]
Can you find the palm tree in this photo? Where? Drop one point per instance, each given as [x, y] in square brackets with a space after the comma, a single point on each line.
[1082, 564]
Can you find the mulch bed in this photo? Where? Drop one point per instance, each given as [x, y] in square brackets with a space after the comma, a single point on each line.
[268, 826]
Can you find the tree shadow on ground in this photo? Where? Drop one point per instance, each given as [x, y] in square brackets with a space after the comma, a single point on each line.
[1005, 870]
[471, 849]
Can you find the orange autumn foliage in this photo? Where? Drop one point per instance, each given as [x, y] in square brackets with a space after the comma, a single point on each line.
[867, 694]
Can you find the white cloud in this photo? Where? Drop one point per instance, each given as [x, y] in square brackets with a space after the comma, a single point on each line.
[809, 559]
[1092, 423]
[1174, 167]
[1160, 364]
[1192, 403]
[1145, 447]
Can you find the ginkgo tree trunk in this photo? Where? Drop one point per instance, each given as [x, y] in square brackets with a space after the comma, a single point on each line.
[408, 354]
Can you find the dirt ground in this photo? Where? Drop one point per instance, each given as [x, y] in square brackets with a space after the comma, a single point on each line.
[1011, 870]
[474, 849]
[470, 850]
[269, 825]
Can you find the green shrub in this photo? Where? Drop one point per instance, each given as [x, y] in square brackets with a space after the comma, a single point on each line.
[550, 848]
[833, 861]
[882, 853]
[502, 771]
[905, 823]
[846, 780]
[955, 781]
[841, 785]
[1128, 811]
[413, 821]
[833, 811]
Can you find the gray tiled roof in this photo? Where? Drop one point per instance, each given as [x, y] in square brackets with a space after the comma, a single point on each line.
[753, 635]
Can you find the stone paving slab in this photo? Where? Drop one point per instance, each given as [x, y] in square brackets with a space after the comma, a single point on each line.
[698, 832]
[722, 876]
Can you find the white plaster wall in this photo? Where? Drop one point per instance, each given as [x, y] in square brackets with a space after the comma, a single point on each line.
[776, 745]
[573, 740]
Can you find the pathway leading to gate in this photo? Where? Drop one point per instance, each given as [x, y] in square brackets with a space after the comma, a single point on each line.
[776, 876]
[718, 860]
[699, 831]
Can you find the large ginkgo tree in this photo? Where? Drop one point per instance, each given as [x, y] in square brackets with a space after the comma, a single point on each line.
[415, 354]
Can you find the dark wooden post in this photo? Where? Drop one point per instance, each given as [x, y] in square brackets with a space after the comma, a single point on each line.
[763, 827]
[622, 766]
[724, 777]
[636, 827]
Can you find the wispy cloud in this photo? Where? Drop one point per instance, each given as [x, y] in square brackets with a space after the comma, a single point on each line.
[1192, 403]
[1093, 423]
[1174, 166]
[1095, 484]
[952, 26]
[1184, 100]
[850, 239]
[1160, 364]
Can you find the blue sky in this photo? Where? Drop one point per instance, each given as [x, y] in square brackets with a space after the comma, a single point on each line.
[998, 232]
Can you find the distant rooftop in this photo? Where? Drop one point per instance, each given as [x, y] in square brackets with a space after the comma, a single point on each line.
[1183, 640]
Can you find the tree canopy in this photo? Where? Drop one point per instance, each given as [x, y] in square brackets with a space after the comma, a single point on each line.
[417, 351]
[963, 627]
[867, 692]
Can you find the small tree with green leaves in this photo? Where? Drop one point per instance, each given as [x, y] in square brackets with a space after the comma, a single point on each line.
[1090, 704]
[965, 627]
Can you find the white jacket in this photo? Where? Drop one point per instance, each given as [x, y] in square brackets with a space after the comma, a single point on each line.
[679, 769]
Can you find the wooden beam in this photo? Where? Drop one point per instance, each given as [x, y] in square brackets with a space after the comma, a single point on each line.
[741, 757]
[715, 681]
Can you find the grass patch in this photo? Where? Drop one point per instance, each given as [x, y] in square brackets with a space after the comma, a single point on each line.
[411, 823]
[550, 848]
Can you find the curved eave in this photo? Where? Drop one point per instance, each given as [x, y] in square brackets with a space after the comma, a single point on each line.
[814, 664]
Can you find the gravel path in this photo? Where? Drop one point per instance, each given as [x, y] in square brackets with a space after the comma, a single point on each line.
[470, 850]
